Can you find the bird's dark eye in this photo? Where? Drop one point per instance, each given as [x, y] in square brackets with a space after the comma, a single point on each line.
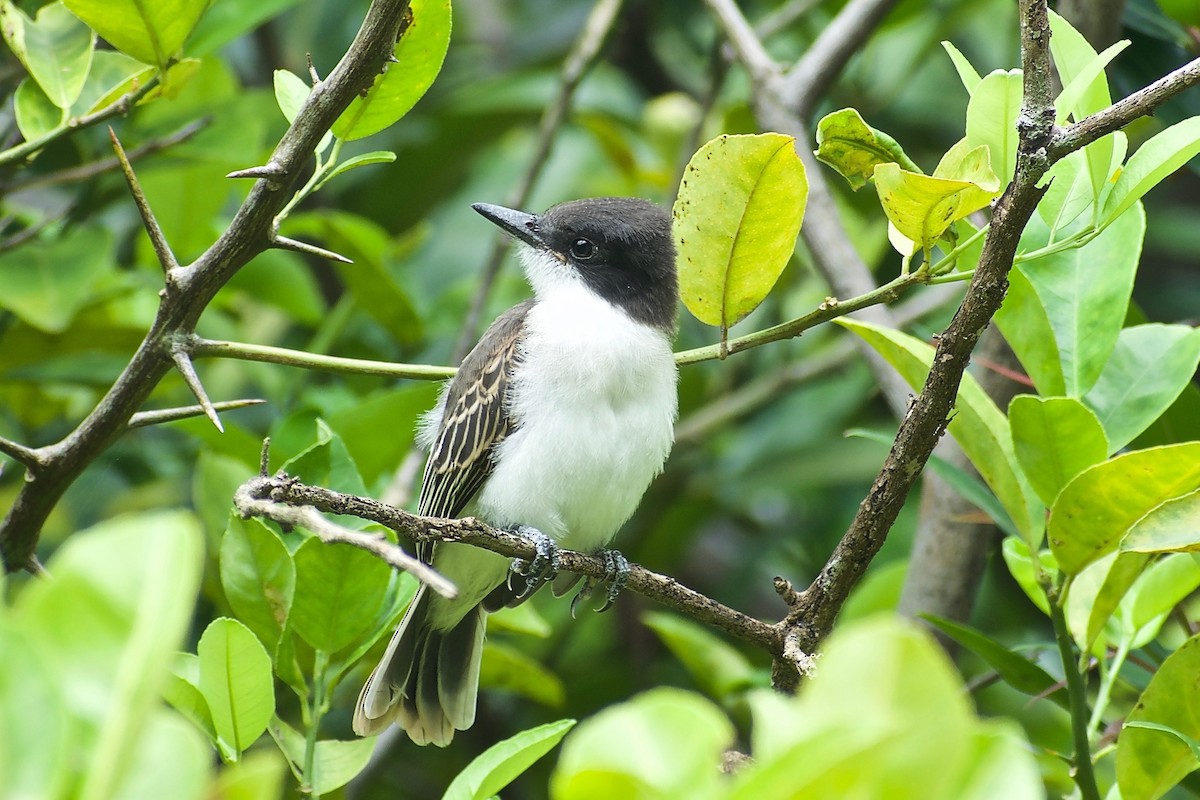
[582, 249]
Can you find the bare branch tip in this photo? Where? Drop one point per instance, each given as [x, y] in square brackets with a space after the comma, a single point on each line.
[26, 456]
[264, 458]
[284, 243]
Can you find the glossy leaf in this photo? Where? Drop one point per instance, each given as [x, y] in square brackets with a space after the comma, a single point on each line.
[258, 577]
[1150, 762]
[1160, 156]
[54, 46]
[36, 115]
[1097, 591]
[1073, 57]
[992, 120]
[978, 426]
[339, 590]
[1149, 368]
[1082, 83]
[716, 667]
[1154, 595]
[853, 148]
[182, 691]
[496, 767]
[739, 209]
[419, 54]
[152, 33]
[1020, 565]
[966, 73]
[1099, 507]
[112, 76]
[235, 679]
[662, 743]
[1081, 296]
[362, 160]
[1055, 438]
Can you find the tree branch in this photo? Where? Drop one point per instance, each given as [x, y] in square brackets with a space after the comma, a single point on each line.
[661, 588]
[212, 348]
[191, 288]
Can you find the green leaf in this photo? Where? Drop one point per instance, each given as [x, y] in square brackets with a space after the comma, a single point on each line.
[1055, 438]
[336, 763]
[923, 207]
[258, 578]
[39, 765]
[1068, 99]
[260, 774]
[1097, 591]
[1150, 762]
[1073, 57]
[290, 93]
[496, 767]
[737, 215]
[1095, 511]
[978, 426]
[718, 668]
[1020, 565]
[419, 55]
[339, 590]
[1173, 526]
[1081, 295]
[112, 76]
[524, 619]
[662, 743]
[399, 411]
[853, 148]
[182, 691]
[225, 21]
[55, 47]
[235, 679]
[510, 669]
[328, 463]
[214, 481]
[992, 120]
[1155, 594]
[36, 115]
[170, 758]
[46, 283]
[1068, 196]
[374, 157]
[1160, 156]
[966, 73]
[109, 624]
[152, 33]
[1016, 670]
[1149, 368]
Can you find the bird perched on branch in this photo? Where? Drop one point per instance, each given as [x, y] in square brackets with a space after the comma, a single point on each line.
[553, 427]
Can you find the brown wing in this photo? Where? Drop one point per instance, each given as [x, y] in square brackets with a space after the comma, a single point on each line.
[474, 421]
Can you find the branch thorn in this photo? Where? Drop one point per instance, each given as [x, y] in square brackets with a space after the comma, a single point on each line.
[28, 457]
[272, 172]
[161, 415]
[183, 363]
[284, 243]
[161, 249]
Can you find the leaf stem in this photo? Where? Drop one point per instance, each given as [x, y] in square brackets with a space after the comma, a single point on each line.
[1108, 679]
[317, 709]
[1085, 778]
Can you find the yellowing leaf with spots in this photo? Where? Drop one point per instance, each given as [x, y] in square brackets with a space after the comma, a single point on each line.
[736, 219]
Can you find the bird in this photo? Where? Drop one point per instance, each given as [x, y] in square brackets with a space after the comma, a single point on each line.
[553, 427]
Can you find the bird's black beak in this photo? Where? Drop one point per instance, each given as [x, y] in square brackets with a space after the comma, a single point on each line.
[517, 223]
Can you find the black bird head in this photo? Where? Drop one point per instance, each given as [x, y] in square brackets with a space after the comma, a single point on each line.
[620, 248]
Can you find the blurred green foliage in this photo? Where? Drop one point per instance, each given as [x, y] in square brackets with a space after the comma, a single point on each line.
[766, 491]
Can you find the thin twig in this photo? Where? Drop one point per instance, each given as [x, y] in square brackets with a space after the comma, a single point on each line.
[584, 53]
[161, 415]
[254, 499]
[212, 348]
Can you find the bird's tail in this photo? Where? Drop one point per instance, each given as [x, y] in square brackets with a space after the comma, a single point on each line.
[427, 680]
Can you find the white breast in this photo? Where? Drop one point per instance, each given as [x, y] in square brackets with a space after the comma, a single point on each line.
[594, 395]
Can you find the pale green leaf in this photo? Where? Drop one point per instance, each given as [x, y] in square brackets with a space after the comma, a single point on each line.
[739, 209]
[1150, 367]
[40, 765]
[1160, 156]
[362, 160]
[112, 76]
[992, 120]
[1095, 511]
[966, 73]
[170, 758]
[1164, 585]
[1074, 56]
[1055, 438]
[717, 667]
[235, 679]
[419, 55]
[1175, 525]
[977, 425]
[182, 691]
[55, 47]
[1019, 561]
[1097, 591]
[336, 763]
[1068, 196]
[496, 767]
[1068, 99]
[853, 148]
[1150, 762]
[339, 591]
[512, 670]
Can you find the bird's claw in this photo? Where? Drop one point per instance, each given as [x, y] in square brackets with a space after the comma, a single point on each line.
[537, 571]
[616, 573]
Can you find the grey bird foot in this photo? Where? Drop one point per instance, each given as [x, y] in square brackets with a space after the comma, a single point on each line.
[616, 573]
[539, 570]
